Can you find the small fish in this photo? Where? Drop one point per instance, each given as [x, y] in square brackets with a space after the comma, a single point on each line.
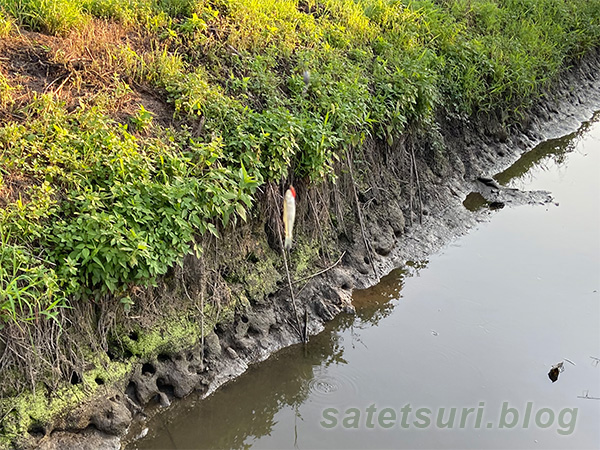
[289, 215]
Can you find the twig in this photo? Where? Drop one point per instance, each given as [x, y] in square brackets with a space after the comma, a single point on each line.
[360, 219]
[314, 210]
[321, 271]
[58, 89]
[586, 395]
[55, 80]
[410, 190]
[305, 324]
[90, 54]
[202, 289]
[233, 49]
[7, 413]
[414, 162]
[287, 271]
[340, 212]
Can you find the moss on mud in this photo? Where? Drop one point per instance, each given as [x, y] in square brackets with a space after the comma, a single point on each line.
[31, 413]
[260, 277]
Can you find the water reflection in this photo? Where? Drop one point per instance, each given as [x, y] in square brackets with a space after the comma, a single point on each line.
[244, 409]
[555, 150]
[287, 379]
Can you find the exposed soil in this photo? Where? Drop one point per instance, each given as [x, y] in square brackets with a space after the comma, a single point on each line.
[13, 188]
[410, 208]
[76, 68]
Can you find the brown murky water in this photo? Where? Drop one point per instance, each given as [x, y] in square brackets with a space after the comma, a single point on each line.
[475, 329]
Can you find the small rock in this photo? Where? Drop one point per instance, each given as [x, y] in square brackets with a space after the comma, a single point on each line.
[142, 434]
[489, 182]
[163, 400]
[349, 309]
[232, 353]
[212, 344]
[555, 371]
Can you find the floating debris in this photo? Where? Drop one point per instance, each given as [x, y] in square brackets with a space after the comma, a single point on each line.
[586, 395]
[555, 371]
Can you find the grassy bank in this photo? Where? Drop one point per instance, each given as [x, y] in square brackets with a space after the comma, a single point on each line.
[132, 130]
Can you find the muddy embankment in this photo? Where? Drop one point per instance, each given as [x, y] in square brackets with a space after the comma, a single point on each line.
[408, 202]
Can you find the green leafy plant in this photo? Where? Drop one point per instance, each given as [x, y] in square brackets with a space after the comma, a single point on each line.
[29, 290]
[129, 210]
[142, 119]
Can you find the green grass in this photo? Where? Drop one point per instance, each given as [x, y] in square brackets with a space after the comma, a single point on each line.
[6, 24]
[51, 16]
[109, 202]
[6, 91]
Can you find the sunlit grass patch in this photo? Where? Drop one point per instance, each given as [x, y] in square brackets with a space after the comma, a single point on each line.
[50, 16]
[6, 91]
[6, 24]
